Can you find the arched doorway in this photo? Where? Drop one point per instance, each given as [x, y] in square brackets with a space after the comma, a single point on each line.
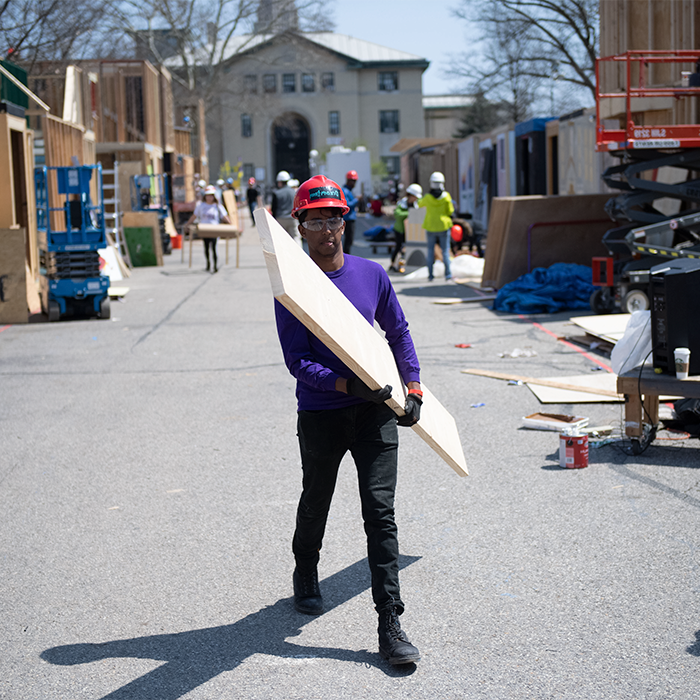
[290, 145]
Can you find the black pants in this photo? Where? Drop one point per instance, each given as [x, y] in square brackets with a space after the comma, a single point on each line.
[252, 206]
[400, 241]
[348, 236]
[210, 243]
[369, 432]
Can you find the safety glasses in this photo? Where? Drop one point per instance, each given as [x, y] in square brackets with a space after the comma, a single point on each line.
[316, 225]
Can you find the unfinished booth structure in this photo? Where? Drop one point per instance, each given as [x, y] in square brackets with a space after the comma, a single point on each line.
[648, 82]
[19, 258]
[551, 135]
[468, 176]
[578, 167]
[531, 157]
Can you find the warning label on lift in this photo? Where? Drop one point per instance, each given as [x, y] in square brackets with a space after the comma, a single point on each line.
[656, 143]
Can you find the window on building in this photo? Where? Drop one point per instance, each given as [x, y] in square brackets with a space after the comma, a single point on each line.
[246, 126]
[248, 171]
[289, 82]
[392, 164]
[308, 82]
[269, 82]
[388, 80]
[389, 121]
[333, 123]
[328, 82]
[251, 84]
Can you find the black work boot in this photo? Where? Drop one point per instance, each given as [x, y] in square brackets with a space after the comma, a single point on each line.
[307, 594]
[393, 642]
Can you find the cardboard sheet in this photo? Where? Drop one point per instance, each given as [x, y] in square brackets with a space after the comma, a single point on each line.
[302, 288]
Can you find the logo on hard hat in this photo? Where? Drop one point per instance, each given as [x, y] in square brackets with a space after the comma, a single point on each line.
[323, 193]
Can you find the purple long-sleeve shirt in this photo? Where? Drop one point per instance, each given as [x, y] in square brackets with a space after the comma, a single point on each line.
[315, 367]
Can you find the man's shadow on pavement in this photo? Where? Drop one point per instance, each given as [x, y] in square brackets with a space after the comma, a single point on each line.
[193, 658]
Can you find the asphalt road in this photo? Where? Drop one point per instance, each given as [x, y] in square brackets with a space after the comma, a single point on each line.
[149, 474]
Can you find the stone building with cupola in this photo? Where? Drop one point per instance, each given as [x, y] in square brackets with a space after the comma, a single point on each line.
[286, 94]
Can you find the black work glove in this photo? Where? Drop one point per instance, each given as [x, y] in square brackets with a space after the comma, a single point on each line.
[356, 387]
[411, 411]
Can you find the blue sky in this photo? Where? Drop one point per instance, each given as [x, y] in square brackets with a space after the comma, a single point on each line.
[416, 26]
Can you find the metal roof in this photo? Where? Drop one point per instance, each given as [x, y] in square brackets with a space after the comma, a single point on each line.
[355, 49]
[447, 101]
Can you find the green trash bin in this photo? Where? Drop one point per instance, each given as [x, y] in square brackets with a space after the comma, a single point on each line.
[140, 242]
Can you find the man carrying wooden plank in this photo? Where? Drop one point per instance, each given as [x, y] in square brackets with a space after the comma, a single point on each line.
[338, 412]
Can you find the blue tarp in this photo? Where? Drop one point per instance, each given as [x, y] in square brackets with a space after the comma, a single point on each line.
[546, 290]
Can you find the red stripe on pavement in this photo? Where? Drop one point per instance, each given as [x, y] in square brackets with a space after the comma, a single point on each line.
[4, 328]
[590, 357]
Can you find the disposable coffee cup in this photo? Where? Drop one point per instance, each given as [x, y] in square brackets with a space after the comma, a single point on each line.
[682, 358]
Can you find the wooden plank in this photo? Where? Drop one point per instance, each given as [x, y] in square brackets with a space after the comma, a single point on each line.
[229, 198]
[217, 231]
[301, 287]
[541, 382]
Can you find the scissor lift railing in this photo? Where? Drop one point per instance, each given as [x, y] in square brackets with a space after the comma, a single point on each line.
[71, 227]
[635, 136]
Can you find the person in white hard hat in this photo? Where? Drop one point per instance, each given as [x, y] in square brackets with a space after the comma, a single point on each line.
[209, 211]
[438, 222]
[282, 204]
[413, 193]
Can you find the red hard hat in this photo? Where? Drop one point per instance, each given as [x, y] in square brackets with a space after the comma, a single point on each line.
[352, 175]
[251, 181]
[456, 233]
[319, 192]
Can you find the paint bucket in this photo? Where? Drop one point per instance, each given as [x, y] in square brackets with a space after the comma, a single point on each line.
[573, 450]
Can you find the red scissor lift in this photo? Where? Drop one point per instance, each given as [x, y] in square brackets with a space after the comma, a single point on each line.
[623, 277]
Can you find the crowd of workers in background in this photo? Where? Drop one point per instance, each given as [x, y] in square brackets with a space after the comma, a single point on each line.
[447, 233]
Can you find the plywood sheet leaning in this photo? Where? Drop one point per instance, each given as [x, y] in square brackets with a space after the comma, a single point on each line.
[499, 221]
[565, 242]
[13, 277]
[302, 288]
[231, 207]
[415, 233]
[146, 219]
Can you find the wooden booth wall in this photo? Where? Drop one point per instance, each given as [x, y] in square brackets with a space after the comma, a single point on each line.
[627, 25]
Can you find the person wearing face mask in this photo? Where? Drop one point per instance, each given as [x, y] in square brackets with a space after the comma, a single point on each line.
[438, 222]
[339, 413]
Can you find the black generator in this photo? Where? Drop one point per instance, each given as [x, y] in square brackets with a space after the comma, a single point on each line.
[674, 292]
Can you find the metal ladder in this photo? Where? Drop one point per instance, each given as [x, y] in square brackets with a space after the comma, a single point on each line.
[113, 218]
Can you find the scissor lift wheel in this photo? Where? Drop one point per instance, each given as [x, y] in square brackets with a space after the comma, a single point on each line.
[105, 308]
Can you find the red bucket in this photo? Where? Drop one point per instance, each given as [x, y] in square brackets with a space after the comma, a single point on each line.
[573, 450]
[176, 241]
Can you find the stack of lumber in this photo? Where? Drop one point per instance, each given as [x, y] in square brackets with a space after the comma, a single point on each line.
[506, 256]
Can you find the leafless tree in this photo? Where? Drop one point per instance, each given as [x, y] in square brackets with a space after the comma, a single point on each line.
[32, 30]
[196, 38]
[530, 42]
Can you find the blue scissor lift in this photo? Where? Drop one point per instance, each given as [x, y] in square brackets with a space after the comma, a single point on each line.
[69, 237]
[151, 193]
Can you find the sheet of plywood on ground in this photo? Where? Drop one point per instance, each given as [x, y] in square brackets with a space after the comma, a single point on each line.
[300, 285]
[554, 382]
[13, 276]
[551, 244]
[499, 219]
[608, 327]
[600, 380]
[145, 219]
